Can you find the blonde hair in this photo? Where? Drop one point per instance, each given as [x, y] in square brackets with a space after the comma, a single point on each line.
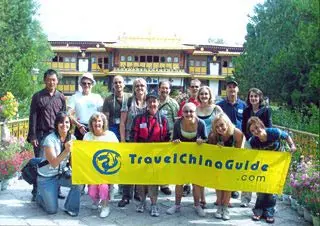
[225, 118]
[138, 80]
[94, 117]
[211, 99]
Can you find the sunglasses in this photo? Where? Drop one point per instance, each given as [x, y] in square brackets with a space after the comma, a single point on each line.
[86, 83]
[194, 87]
[188, 111]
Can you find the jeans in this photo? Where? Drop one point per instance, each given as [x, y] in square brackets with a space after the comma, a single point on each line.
[265, 204]
[47, 196]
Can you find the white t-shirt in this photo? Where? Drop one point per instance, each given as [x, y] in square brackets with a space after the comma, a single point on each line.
[84, 105]
[107, 137]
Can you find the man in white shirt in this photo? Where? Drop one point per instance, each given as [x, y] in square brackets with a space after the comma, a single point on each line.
[83, 104]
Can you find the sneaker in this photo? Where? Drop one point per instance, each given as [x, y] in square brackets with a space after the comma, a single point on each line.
[186, 190]
[244, 204]
[123, 202]
[105, 211]
[225, 214]
[173, 209]
[219, 213]
[200, 211]
[140, 208]
[154, 211]
[70, 213]
[166, 191]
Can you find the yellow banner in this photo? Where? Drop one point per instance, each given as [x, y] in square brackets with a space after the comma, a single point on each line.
[167, 163]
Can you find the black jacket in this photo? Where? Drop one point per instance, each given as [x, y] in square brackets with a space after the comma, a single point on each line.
[264, 114]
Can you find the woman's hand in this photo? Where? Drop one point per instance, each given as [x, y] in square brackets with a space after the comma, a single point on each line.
[293, 148]
[177, 141]
[200, 141]
[68, 146]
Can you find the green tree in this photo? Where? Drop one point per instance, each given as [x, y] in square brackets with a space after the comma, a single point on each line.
[282, 51]
[23, 46]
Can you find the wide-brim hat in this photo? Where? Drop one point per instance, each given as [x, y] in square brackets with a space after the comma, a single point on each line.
[88, 76]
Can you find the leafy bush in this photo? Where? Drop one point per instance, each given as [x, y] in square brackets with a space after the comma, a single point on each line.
[305, 118]
[101, 89]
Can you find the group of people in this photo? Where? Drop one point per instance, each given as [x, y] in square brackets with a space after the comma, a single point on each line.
[145, 117]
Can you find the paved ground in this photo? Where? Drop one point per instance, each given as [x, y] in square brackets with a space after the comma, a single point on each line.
[17, 209]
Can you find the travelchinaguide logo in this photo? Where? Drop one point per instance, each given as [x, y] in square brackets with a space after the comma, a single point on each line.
[107, 161]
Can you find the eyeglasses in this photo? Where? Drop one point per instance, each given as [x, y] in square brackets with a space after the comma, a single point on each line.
[188, 111]
[137, 86]
[86, 83]
[194, 87]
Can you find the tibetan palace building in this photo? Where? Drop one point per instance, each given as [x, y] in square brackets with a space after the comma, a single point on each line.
[153, 58]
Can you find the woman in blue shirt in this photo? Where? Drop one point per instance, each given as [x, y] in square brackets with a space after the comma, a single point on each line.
[266, 139]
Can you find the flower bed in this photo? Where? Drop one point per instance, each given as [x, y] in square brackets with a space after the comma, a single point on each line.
[14, 153]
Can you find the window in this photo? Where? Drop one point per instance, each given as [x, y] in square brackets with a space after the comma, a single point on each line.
[176, 59]
[136, 59]
[191, 63]
[67, 59]
[142, 58]
[149, 59]
[55, 59]
[203, 63]
[73, 59]
[225, 64]
[129, 58]
[197, 63]
[162, 59]
[93, 60]
[169, 59]
[230, 64]
[156, 59]
[60, 59]
[123, 58]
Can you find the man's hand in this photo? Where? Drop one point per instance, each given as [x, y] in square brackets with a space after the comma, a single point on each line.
[35, 143]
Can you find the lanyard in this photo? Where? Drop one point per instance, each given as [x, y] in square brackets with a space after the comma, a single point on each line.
[114, 104]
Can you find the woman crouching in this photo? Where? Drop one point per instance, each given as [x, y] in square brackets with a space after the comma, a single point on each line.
[57, 147]
[224, 133]
[266, 139]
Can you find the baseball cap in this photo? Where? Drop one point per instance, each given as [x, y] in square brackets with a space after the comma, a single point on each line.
[231, 79]
[152, 94]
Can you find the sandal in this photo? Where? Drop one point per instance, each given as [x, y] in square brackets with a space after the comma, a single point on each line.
[203, 205]
[270, 220]
[256, 218]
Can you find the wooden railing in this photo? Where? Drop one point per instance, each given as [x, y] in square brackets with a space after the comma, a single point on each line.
[307, 143]
[18, 128]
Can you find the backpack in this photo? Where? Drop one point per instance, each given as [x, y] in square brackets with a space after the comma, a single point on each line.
[30, 171]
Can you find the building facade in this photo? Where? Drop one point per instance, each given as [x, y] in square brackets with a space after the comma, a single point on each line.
[153, 58]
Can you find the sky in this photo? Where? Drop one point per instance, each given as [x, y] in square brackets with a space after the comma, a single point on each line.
[194, 21]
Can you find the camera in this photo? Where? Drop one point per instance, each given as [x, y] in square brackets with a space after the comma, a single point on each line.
[66, 172]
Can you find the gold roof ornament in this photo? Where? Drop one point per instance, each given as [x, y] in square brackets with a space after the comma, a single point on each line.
[149, 42]
[202, 53]
[227, 53]
[66, 49]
